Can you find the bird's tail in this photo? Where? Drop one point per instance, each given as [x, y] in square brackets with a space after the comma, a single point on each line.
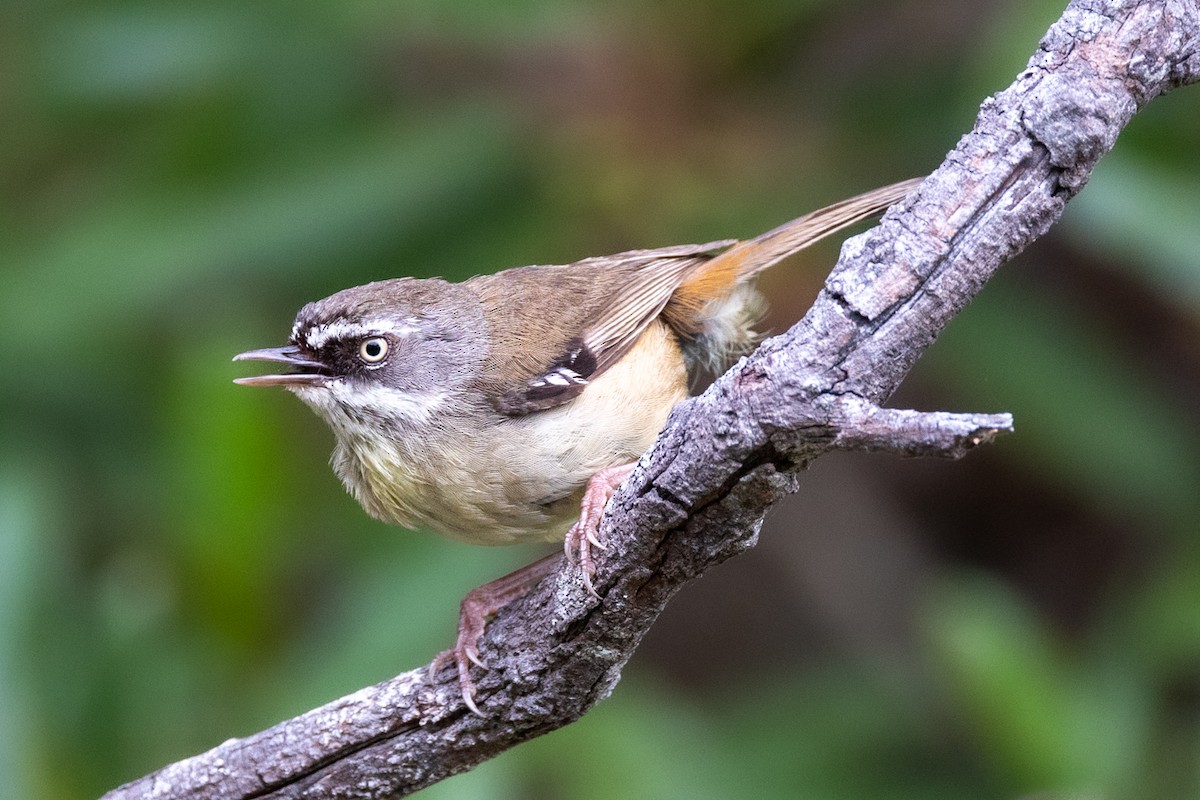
[708, 303]
[754, 255]
[717, 277]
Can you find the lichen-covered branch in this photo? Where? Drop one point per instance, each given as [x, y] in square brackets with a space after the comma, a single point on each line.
[726, 456]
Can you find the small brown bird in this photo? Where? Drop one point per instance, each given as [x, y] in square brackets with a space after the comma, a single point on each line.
[508, 408]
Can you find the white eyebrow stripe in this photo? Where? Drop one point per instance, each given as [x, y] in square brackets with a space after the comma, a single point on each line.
[318, 335]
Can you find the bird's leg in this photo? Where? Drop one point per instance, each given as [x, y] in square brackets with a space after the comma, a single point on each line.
[476, 607]
[585, 534]
[483, 602]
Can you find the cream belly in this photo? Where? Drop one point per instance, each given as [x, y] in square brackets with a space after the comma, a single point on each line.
[529, 487]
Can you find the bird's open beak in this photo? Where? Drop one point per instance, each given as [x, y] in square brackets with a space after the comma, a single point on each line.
[308, 372]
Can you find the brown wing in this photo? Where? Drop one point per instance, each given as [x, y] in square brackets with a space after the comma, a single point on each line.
[556, 328]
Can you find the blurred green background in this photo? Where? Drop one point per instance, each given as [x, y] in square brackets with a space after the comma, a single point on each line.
[179, 566]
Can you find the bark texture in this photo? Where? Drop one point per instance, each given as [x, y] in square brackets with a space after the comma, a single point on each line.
[725, 457]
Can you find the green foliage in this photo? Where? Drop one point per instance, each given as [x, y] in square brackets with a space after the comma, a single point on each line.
[178, 566]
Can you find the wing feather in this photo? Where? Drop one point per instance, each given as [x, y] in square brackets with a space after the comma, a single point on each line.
[596, 324]
[556, 328]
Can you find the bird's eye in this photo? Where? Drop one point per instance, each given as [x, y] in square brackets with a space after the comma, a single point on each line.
[373, 350]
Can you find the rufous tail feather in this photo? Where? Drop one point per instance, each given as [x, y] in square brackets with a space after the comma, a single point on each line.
[716, 278]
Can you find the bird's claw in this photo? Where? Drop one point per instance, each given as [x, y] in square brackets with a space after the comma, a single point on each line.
[585, 534]
[477, 606]
[481, 603]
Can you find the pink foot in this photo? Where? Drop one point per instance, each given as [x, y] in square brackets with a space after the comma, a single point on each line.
[476, 607]
[585, 534]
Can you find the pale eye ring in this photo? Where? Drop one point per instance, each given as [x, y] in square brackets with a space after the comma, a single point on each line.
[373, 350]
